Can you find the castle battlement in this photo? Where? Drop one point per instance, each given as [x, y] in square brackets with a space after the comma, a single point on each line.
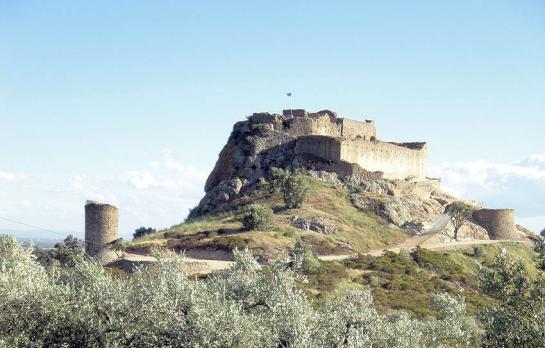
[299, 122]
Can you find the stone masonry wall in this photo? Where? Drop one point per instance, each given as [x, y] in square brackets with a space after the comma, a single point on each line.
[325, 147]
[500, 223]
[322, 122]
[101, 228]
[396, 162]
[353, 129]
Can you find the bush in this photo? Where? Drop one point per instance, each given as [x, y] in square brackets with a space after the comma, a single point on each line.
[256, 217]
[65, 254]
[294, 187]
[517, 319]
[246, 306]
[302, 254]
[296, 191]
[478, 251]
[142, 231]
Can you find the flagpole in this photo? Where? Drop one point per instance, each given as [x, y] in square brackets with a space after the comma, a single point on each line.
[290, 104]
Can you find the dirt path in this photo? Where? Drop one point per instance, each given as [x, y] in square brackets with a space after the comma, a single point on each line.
[204, 266]
[420, 241]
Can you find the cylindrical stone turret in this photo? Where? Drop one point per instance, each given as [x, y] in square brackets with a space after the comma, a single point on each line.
[101, 228]
[500, 223]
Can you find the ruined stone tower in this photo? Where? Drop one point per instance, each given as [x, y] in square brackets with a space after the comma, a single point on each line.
[500, 223]
[101, 228]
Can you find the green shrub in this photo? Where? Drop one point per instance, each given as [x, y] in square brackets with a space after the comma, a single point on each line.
[256, 217]
[294, 187]
[478, 251]
[142, 231]
[296, 191]
[517, 320]
[302, 253]
[65, 254]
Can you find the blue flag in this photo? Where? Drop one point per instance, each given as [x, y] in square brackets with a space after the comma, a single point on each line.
[289, 94]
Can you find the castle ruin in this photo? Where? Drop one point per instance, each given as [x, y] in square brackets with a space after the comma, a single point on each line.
[101, 228]
[334, 139]
[296, 139]
[500, 223]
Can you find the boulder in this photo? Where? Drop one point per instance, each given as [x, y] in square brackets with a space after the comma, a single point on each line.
[314, 224]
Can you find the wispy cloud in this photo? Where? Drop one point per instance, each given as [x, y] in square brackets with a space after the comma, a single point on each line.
[11, 176]
[520, 184]
[156, 194]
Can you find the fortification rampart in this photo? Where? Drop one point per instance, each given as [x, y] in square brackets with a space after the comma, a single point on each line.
[500, 223]
[326, 147]
[299, 139]
[101, 228]
[395, 161]
[357, 129]
[298, 123]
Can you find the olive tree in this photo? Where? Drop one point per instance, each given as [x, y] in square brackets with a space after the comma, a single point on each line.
[248, 305]
[516, 319]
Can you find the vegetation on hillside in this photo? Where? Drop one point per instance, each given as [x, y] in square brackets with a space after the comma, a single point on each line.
[142, 231]
[294, 187]
[358, 231]
[247, 306]
[66, 253]
[516, 320]
[406, 281]
[459, 212]
[256, 217]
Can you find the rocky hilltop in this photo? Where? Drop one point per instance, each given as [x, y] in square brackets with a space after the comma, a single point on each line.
[365, 194]
[318, 142]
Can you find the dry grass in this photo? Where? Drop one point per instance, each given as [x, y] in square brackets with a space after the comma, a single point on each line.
[357, 231]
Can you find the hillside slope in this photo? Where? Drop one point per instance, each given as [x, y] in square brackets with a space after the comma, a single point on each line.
[215, 235]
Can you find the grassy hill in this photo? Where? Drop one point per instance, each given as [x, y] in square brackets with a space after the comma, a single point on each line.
[404, 281]
[358, 231]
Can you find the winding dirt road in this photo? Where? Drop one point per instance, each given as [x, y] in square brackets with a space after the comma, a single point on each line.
[206, 266]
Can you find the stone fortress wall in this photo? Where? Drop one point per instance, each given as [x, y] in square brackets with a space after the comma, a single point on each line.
[299, 123]
[335, 139]
[500, 223]
[396, 161]
[101, 228]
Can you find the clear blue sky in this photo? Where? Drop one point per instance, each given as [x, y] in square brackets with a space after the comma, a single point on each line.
[122, 99]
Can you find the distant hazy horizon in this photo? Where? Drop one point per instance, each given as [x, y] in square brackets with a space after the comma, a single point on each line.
[131, 102]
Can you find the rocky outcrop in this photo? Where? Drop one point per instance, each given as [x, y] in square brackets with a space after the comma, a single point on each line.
[268, 140]
[330, 148]
[412, 206]
[314, 224]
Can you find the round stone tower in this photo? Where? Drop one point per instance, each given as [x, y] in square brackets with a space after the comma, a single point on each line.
[101, 228]
[500, 223]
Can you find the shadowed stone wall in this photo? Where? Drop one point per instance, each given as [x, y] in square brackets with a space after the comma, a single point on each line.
[396, 161]
[101, 228]
[500, 223]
